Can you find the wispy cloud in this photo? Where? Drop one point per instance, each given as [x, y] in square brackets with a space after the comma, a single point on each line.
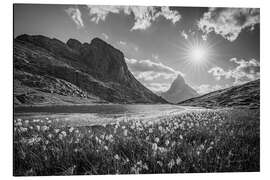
[157, 87]
[171, 15]
[206, 88]
[75, 15]
[147, 70]
[143, 15]
[122, 43]
[105, 36]
[229, 22]
[98, 12]
[246, 70]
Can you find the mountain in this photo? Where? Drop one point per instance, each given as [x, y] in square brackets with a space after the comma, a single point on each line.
[247, 95]
[179, 91]
[48, 71]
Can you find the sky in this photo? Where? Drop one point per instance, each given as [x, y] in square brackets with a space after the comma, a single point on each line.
[212, 48]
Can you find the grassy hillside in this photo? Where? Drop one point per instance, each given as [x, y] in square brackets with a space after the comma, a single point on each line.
[245, 95]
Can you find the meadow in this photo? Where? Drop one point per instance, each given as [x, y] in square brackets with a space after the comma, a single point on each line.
[196, 141]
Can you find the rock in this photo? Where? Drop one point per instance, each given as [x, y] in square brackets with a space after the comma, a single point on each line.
[179, 91]
[96, 69]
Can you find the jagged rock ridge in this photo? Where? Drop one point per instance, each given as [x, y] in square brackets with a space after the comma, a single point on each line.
[95, 71]
[179, 91]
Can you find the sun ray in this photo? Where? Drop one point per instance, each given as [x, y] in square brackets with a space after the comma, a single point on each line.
[197, 54]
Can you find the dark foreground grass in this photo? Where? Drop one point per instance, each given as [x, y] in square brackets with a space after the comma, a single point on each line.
[197, 141]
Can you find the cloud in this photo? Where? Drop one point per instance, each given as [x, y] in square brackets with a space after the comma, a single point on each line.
[143, 15]
[184, 34]
[206, 88]
[157, 87]
[155, 56]
[98, 13]
[229, 22]
[204, 37]
[105, 36]
[168, 14]
[122, 43]
[246, 70]
[75, 15]
[147, 70]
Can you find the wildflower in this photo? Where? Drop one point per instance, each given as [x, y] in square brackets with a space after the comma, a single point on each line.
[160, 163]
[181, 137]
[102, 136]
[209, 149]
[26, 121]
[71, 129]
[135, 170]
[167, 142]
[139, 163]
[178, 161]
[154, 147]
[50, 136]
[77, 131]
[64, 133]
[44, 128]
[116, 157]
[162, 149]
[57, 131]
[201, 146]
[76, 150]
[150, 130]
[22, 129]
[156, 139]
[33, 140]
[145, 166]
[38, 127]
[171, 163]
[98, 140]
[36, 120]
[76, 141]
[18, 124]
[61, 136]
[109, 138]
[106, 148]
[19, 120]
[46, 142]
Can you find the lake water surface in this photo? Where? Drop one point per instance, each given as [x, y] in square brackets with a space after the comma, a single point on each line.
[98, 114]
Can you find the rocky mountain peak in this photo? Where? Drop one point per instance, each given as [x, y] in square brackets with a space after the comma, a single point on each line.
[97, 68]
[179, 91]
[178, 83]
[74, 44]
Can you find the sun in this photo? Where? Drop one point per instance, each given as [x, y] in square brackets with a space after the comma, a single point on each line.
[197, 54]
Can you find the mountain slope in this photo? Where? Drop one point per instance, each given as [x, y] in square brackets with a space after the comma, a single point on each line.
[243, 95]
[95, 72]
[179, 91]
